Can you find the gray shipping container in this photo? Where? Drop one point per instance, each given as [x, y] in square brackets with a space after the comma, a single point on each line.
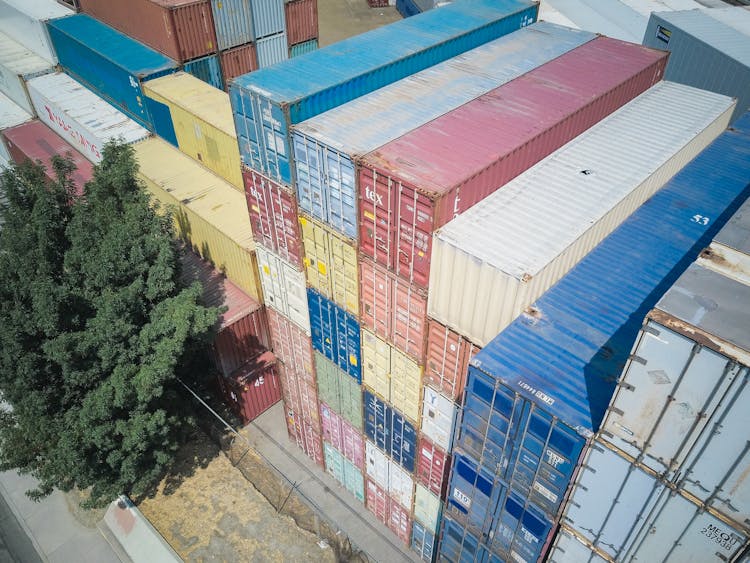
[233, 21]
[268, 17]
[272, 50]
[706, 53]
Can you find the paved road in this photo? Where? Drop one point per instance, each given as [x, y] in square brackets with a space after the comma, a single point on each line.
[15, 545]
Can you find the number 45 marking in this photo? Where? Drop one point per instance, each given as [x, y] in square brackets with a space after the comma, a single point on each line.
[700, 219]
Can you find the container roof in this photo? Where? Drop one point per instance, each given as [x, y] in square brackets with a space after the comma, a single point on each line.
[11, 114]
[19, 59]
[736, 233]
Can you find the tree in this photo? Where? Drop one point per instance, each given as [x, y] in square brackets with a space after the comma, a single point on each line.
[95, 330]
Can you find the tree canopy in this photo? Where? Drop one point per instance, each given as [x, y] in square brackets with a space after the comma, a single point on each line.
[95, 329]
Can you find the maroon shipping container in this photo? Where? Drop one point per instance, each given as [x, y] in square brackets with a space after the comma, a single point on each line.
[432, 466]
[377, 501]
[306, 435]
[399, 521]
[243, 329]
[393, 308]
[36, 142]
[273, 215]
[292, 346]
[301, 21]
[420, 181]
[299, 396]
[253, 388]
[181, 29]
[447, 359]
[342, 436]
[238, 61]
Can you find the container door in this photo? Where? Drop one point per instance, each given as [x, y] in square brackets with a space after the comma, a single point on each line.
[473, 494]
[354, 481]
[233, 22]
[406, 384]
[519, 531]
[457, 544]
[427, 508]
[342, 197]
[377, 465]
[378, 422]
[271, 280]
[348, 340]
[403, 442]
[322, 324]
[438, 417]
[161, 117]
[400, 485]
[351, 399]
[310, 179]
[376, 356]
[334, 462]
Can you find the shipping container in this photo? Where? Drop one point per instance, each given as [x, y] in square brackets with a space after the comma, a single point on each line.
[519, 531]
[342, 435]
[209, 213]
[24, 21]
[306, 435]
[335, 334]
[268, 17]
[426, 181]
[303, 48]
[199, 117]
[242, 331]
[393, 308]
[400, 485]
[208, 69]
[11, 115]
[111, 64]
[344, 472]
[527, 416]
[427, 508]
[292, 346]
[473, 493]
[376, 364]
[300, 396]
[705, 52]
[399, 521]
[272, 50]
[408, 8]
[233, 22]
[266, 104]
[568, 546]
[493, 261]
[181, 29]
[432, 466]
[457, 544]
[283, 287]
[438, 418]
[253, 388]
[330, 264]
[301, 21]
[423, 542]
[34, 141]
[403, 440]
[79, 116]
[340, 391]
[377, 501]
[326, 146]
[377, 465]
[447, 359]
[17, 66]
[630, 515]
[238, 61]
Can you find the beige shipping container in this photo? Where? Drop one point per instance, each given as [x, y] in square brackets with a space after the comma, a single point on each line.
[209, 213]
[203, 123]
[331, 264]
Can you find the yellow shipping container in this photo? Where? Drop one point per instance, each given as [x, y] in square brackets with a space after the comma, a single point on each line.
[203, 122]
[331, 264]
[209, 213]
[391, 374]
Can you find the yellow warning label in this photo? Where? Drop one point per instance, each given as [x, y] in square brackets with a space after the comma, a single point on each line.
[322, 268]
[267, 270]
[353, 359]
[369, 215]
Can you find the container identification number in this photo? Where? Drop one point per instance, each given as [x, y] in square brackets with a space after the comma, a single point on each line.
[700, 219]
[462, 498]
[727, 541]
[537, 393]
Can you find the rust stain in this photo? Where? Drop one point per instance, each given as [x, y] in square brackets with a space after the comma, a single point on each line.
[125, 520]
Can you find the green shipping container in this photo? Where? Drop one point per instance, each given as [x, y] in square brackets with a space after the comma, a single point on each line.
[302, 48]
[339, 390]
[344, 471]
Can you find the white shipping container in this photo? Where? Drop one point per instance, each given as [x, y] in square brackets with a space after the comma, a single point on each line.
[377, 465]
[427, 508]
[11, 114]
[438, 418]
[79, 116]
[24, 21]
[17, 65]
[400, 485]
[569, 547]
[284, 287]
[497, 258]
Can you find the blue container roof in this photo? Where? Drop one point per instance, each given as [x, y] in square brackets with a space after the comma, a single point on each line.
[117, 47]
[296, 78]
[570, 348]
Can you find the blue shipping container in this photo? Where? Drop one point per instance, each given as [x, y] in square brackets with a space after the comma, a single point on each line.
[473, 494]
[303, 48]
[335, 333]
[233, 21]
[267, 102]
[378, 422]
[403, 441]
[390, 431]
[207, 69]
[458, 545]
[423, 542]
[110, 63]
[408, 8]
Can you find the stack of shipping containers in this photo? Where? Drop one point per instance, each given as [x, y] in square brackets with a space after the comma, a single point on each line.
[301, 26]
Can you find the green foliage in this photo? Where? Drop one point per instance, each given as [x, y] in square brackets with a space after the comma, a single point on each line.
[95, 329]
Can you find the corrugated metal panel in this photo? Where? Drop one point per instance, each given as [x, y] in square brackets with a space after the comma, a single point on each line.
[493, 261]
[430, 181]
[473, 494]
[342, 435]
[202, 122]
[432, 466]
[240, 340]
[79, 116]
[339, 390]
[427, 508]
[268, 17]
[110, 63]
[292, 346]
[613, 18]
[11, 114]
[732, 244]
[330, 424]
[17, 65]
[423, 542]
[334, 461]
[457, 544]
[377, 501]
[301, 21]
[403, 440]
[181, 29]
[400, 485]
[518, 531]
[376, 364]
[271, 50]
[210, 214]
[254, 388]
[569, 547]
[24, 22]
[326, 146]
[233, 21]
[208, 69]
[335, 333]
[238, 61]
[399, 521]
[267, 103]
[306, 435]
[705, 53]
[447, 359]
[354, 481]
[303, 48]
[300, 396]
[408, 8]
[283, 287]
[331, 264]
[377, 465]
[735, 16]
[438, 418]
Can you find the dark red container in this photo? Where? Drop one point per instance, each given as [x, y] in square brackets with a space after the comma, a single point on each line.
[252, 389]
[36, 142]
[420, 181]
[299, 396]
[292, 346]
[181, 29]
[273, 215]
[243, 329]
[393, 308]
[306, 435]
[377, 501]
[399, 521]
[301, 21]
[238, 61]
[447, 360]
[432, 466]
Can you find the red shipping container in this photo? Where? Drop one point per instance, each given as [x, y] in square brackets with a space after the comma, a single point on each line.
[253, 388]
[181, 29]
[35, 141]
[377, 501]
[432, 466]
[306, 435]
[342, 436]
[292, 346]
[413, 185]
[393, 308]
[299, 396]
[273, 215]
[399, 521]
[447, 360]
[301, 21]
[238, 61]
[243, 329]
[330, 423]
